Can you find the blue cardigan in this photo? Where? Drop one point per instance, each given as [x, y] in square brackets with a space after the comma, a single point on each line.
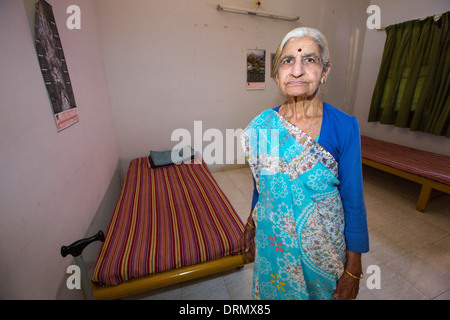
[340, 136]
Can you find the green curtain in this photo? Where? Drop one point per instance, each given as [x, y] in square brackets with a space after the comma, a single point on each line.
[412, 89]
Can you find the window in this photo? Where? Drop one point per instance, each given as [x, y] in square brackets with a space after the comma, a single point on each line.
[412, 89]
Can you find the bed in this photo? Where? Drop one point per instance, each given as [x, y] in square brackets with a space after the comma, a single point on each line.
[429, 169]
[170, 224]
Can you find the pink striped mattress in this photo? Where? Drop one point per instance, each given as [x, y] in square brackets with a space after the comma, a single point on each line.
[422, 163]
[166, 218]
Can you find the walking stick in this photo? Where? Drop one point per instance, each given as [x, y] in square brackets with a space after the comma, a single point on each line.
[76, 250]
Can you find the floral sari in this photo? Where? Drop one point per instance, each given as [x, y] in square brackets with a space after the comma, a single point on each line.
[299, 218]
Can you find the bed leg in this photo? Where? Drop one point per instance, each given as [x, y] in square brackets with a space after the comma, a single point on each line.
[424, 197]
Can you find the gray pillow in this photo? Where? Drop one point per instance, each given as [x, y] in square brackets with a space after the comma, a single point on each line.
[170, 157]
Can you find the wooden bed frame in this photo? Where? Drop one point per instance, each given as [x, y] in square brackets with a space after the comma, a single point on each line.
[138, 284]
[167, 278]
[415, 165]
[150, 282]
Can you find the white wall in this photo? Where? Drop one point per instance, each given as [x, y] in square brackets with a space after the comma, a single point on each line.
[51, 184]
[170, 63]
[393, 12]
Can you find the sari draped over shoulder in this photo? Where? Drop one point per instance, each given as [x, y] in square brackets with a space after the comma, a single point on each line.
[299, 217]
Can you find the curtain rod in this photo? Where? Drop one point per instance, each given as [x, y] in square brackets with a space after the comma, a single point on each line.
[256, 13]
[436, 17]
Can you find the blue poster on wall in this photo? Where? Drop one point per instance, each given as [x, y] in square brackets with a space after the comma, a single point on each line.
[53, 67]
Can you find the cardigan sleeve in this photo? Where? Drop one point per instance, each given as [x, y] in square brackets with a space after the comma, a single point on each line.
[255, 195]
[351, 190]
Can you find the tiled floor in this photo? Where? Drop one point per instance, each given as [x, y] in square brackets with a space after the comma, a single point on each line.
[412, 249]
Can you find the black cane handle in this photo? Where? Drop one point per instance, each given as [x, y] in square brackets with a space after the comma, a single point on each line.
[76, 248]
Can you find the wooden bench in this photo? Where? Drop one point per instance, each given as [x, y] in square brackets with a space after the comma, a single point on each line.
[429, 169]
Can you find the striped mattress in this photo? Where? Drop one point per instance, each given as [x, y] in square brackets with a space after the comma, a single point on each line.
[418, 162]
[166, 218]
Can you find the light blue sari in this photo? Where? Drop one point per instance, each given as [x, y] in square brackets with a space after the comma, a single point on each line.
[299, 218]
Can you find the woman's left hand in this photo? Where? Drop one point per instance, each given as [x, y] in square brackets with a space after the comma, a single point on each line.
[347, 288]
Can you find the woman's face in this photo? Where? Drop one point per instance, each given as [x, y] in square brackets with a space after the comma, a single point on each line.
[300, 68]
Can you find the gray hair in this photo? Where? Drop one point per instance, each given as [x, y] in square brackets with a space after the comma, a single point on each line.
[300, 33]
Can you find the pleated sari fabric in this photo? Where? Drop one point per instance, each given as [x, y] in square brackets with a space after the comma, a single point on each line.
[299, 218]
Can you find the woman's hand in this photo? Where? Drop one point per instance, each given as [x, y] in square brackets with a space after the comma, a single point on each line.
[247, 241]
[348, 286]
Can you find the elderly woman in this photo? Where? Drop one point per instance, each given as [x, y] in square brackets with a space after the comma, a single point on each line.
[307, 227]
